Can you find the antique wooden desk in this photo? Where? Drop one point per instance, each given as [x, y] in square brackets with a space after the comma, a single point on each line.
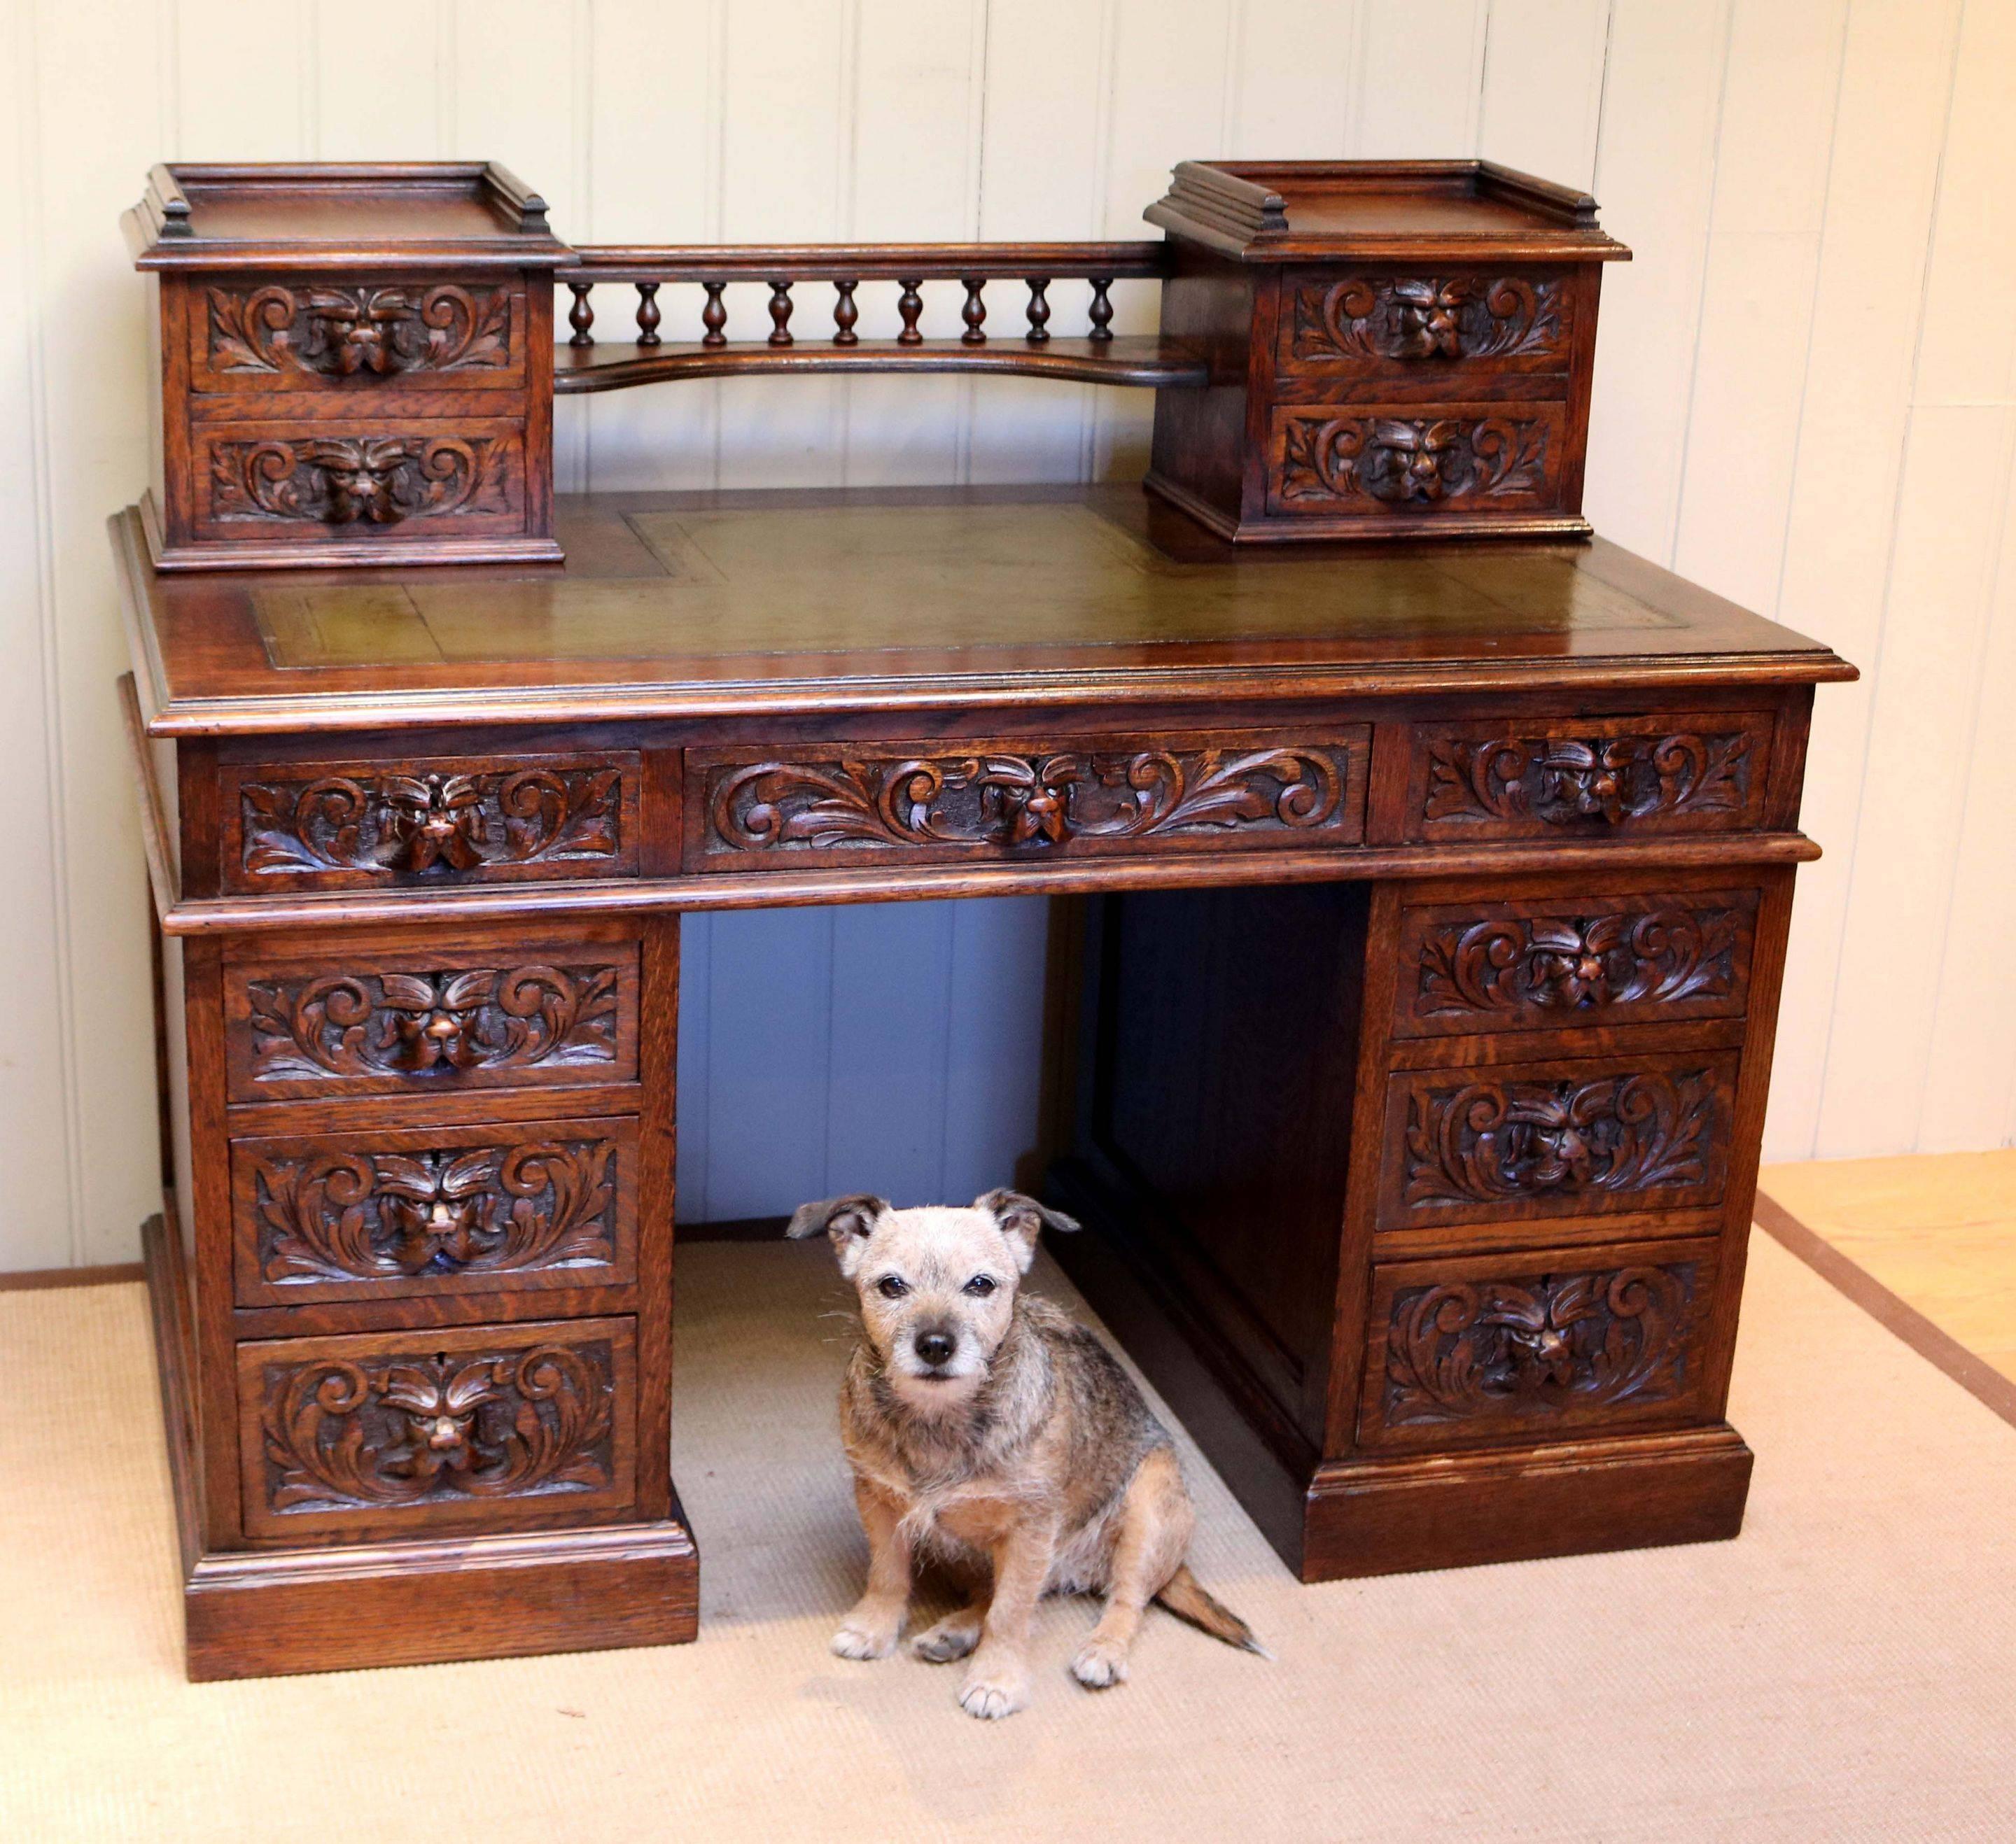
[1410, 1011]
[1428, 1025]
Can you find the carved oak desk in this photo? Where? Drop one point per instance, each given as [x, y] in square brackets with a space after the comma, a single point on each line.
[1412, 1048]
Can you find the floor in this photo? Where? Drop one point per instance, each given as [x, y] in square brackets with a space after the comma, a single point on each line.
[1840, 1671]
[1936, 1232]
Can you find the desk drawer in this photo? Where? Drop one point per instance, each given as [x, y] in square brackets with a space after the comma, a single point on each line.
[526, 1205]
[297, 333]
[407, 1432]
[419, 1023]
[1570, 1136]
[1457, 327]
[1534, 1346]
[838, 804]
[1384, 460]
[379, 475]
[1579, 776]
[1569, 961]
[475, 819]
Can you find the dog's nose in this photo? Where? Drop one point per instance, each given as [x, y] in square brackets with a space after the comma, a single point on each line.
[934, 1347]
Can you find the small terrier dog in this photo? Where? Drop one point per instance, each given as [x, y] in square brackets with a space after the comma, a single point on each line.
[988, 1431]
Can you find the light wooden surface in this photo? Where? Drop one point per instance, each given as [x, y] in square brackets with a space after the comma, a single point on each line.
[1939, 1231]
[1795, 404]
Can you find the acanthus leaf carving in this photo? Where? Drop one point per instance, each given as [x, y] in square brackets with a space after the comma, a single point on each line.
[327, 1215]
[478, 1018]
[1418, 317]
[340, 1435]
[1494, 1141]
[430, 821]
[1571, 963]
[1560, 780]
[349, 480]
[1015, 801]
[1495, 1351]
[1403, 461]
[368, 331]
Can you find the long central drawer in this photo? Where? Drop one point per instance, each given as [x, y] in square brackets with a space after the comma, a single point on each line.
[837, 803]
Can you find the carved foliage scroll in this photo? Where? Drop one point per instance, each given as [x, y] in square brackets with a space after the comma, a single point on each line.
[360, 332]
[1423, 317]
[331, 1214]
[1592, 964]
[445, 820]
[391, 1431]
[342, 480]
[1400, 461]
[473, 1021]
[1568, 779]
[1498, 1140]
[1471, 1354]
[1034, 802]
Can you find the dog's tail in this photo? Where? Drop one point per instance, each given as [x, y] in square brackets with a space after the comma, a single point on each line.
[1184, 1596]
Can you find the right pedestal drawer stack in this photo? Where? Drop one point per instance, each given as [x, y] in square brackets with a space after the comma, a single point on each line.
[1569, 1086]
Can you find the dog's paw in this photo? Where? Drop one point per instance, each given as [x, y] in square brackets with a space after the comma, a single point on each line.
[1099, 1665]
[857, 1640]
[992, 1693]
[952, 1638]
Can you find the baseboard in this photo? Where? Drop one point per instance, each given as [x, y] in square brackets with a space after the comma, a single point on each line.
[35, 1279]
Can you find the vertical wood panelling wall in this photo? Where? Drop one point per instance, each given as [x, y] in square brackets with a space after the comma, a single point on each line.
[1806, 398]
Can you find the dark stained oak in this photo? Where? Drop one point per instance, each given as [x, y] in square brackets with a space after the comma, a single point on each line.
[1423, 907]
[853, 604]
[1438, 901]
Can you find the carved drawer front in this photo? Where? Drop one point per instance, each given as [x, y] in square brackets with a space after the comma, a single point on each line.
[1532, 1347]
[517, 1207]
[1381, 460]
[1572, 1136]
[833, 803]
[1553, 962]
[379, 474]
[312, 334]
[486, 1425]
[416, 1023]
[1579, 776]
[1452, 324]
[330, 825]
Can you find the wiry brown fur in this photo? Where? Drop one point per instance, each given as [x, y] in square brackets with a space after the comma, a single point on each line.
[1021, 1453]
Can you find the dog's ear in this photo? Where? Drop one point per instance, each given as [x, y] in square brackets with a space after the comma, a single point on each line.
[1021, 1219]
[848, 1221]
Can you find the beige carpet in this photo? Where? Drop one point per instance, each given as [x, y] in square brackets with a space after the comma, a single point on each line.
[1841, 1671]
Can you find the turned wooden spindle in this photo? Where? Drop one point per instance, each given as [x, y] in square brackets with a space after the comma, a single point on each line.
[973, 312]
[1100, 313]
[714, 316]
[909, 304]
[1039, 310]
[844, 314]
[648, 315]
[780, 314]
[580, 316]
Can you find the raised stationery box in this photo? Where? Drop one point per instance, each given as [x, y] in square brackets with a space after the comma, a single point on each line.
[355, 365]
[1397, 349]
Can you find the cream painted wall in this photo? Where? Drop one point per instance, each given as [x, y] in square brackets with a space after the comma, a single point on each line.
[1806, 399]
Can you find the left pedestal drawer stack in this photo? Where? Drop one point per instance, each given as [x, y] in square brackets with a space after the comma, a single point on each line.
[469, 1189]
[428, 1175]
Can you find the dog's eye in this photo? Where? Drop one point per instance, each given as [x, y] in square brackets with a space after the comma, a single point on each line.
[981, 1285]
[892, 1286]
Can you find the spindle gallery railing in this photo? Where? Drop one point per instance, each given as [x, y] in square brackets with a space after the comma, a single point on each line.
[1099, 355]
